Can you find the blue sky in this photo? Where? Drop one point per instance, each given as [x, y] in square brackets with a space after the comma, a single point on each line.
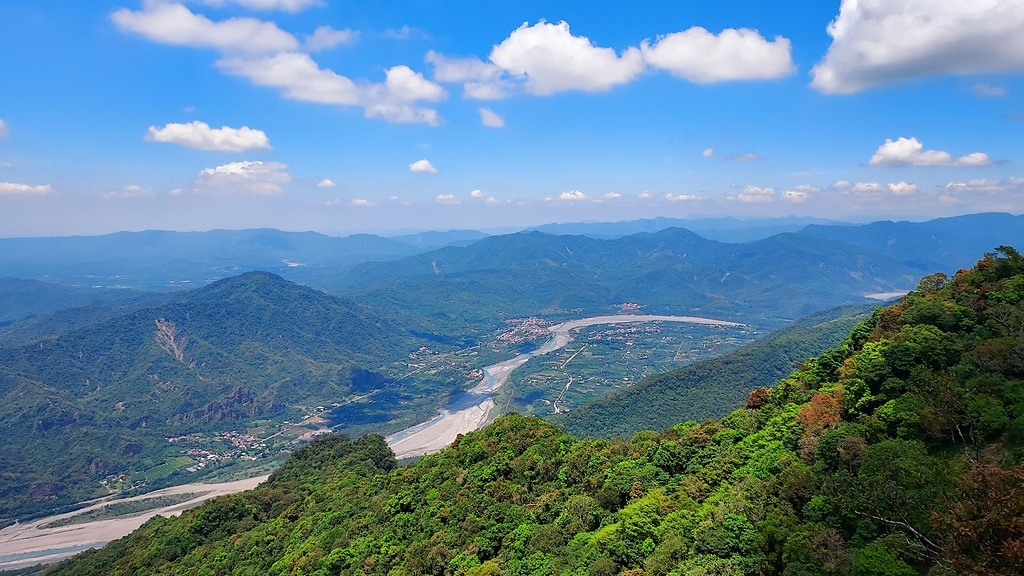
[376, 116]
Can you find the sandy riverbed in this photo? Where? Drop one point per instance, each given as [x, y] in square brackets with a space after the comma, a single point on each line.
[23, 545]
[473, 410]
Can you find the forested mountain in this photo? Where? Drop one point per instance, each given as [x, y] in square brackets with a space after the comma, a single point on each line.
[711, 388]
[946, 244]
[896, 453]
[79, 406]
[164, 259]
[671, 271]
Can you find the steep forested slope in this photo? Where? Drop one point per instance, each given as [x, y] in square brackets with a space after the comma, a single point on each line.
[711, 388]
[100, 400]
[896, 453]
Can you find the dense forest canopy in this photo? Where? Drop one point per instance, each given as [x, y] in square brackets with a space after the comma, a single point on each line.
[897, 453]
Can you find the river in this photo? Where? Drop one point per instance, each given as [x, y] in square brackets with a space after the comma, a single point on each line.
[473, 409]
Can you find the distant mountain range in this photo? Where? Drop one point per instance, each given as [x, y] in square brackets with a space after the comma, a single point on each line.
[671, 271]
[721, 229]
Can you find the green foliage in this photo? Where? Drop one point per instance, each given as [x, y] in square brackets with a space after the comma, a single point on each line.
[917, 474]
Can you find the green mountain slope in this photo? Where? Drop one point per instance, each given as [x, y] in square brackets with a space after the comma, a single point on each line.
[897, 453]
[671, 271]
[101, 400]
[946, 244]
[711, 388]
[27, 298]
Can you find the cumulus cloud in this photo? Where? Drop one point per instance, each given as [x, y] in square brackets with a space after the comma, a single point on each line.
[361, 202]
[679, 197]
[478, 194]
[756, 194]
[490, 119]
[175, 24]
[16, 189]
[911, 152]
[284, 5]
[549, 59]
[251, 177]
[447, 199]
[646, 194]
[302, 79]
[326, 183]
[800, 193]
[902, 188]
[983, 90]
[4, 132]
[200, 136]
[880, 41]
[986, 186]
[325, 38]
[573, 196]
[700, 56]
[423, 166]
[708, 153]
[612, 195]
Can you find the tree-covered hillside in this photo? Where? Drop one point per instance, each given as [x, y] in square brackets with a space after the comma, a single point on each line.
[673, 271]
[896, 453]
[711, 388]
[101, 400]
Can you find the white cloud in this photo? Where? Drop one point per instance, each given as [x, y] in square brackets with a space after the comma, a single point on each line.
[493, 200]
[984, 185]
[490, 119]
[4, 131]
[983, 90]
[478, 194]
[302, 79]
[910, 152]
[679, 197]
[177, 25]
[200, 136]
[859, 187]
[423, 166]
[255, 177]
[645, 195]
[361, 202]
[447, 199]
[880, 41]
[800, 193]
[549, 59]
[708, 153]
[285, 5]
[325, 38]
[612, 195]
[572, 196]
[129, 191]
[755, 194]
[326, 183]
[481, 80]
[16, 189]
[902, 188]
[700, 56]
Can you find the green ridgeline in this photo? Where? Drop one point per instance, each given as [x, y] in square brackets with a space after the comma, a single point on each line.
[896, 453]
[711, 388]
